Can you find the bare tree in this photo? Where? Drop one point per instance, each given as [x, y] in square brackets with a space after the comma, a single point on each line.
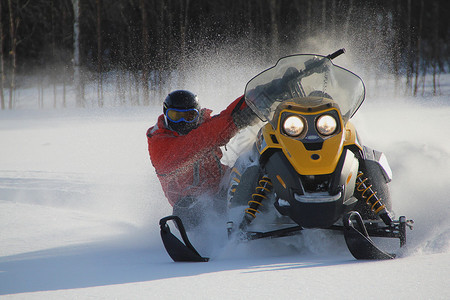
[13, 22]
[324, 15]
[76, 52]
[2, 64]
[145, 54]
[409, 56]
[184, 17]
[348, 19]
[275, 40]
[333, 17]
[99, 54]
[396, 8]
[436, 47]
[53, 49]
[419, 47]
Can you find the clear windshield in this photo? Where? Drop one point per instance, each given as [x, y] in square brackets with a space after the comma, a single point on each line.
[304, 75]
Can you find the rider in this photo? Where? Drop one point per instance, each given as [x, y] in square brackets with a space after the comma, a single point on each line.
[184, 150]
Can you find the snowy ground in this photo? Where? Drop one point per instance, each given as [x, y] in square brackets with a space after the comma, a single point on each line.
[80, 204]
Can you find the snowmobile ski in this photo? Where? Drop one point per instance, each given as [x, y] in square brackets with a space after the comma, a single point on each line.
[178, 251]
[359, 242]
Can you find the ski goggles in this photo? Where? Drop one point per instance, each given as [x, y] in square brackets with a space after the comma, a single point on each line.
[176, 115]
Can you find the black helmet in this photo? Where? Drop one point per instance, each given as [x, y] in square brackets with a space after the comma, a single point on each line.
[181, 111]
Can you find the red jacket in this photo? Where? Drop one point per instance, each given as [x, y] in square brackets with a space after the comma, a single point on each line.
[189, 165]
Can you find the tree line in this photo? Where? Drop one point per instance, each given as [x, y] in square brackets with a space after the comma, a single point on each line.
[76, 42]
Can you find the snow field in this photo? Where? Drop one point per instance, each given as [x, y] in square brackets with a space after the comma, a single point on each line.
[80, 204]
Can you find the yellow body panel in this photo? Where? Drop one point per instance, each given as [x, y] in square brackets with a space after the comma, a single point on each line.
[309, 162]
[302, 159]
[351, 138]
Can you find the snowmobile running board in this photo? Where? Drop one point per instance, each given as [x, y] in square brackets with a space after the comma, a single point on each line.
[356, 233]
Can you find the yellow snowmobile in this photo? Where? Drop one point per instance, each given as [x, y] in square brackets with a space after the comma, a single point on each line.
[308, 168]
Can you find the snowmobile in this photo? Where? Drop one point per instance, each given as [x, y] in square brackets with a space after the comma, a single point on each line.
[308, 167]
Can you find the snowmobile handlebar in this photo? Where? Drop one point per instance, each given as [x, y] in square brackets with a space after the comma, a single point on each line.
[336, 53]
[310, 67]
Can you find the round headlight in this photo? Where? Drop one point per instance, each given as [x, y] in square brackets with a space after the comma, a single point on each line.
[326, 124]
[293, 125]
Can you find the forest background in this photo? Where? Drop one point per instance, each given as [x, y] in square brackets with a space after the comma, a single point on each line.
[132, 52]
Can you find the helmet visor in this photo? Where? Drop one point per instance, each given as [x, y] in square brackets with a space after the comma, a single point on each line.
[187, 115]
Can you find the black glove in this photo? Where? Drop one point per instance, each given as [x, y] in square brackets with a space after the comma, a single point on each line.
[244, 117]
[276, 88]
